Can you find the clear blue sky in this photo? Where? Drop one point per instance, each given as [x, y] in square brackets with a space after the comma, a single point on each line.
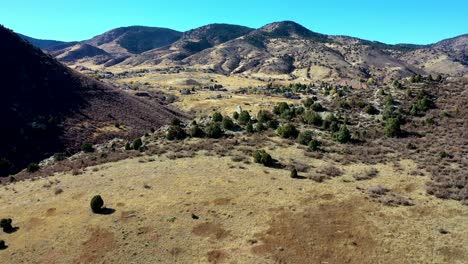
[390, 21]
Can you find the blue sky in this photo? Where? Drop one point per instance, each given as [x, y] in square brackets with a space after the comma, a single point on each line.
[391, 21]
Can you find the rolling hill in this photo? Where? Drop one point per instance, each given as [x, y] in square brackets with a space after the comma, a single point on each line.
[46, 107]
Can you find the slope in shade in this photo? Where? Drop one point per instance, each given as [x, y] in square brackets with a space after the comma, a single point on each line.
[46, 107]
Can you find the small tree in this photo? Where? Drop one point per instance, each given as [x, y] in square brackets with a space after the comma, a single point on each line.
[175, 133]
[371, 110]
[214, 131]
[244, 118]
[87, 148]
[343, 136]
[228, 124]
[264, 116]
[312, 118]
[261, 156]
[96, 204]
[288, 131]
[294, 174]
[392, 127]
[33, 167]
[196, 132]
[280, 108]
[249, 128]
[314, 145]
[235, 115]
[317, 107]
[273, 124]
[5, 223]
[217, 117]
[305, 137]
[2, 245]
[137, 143]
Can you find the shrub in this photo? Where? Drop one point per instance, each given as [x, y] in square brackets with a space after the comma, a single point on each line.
[288, 114]
[244, 118]
[175, 122]
[260, 127]
[228, 124]
[312, 118]
[299, 111]
[128, 146]
[273, 124]
[87, 148]
[308, 102]
[33, 167]
[280, 108]
[137, 143]
[60, 156]
[176, 133]
[343, 135]
[96, 204]
[314, 145]
[217, 117]
[294, 174]
[5, 224]
[250, 128]
[288, 131]
[392, 127]
[305, 137]
[317, 107]
[235, 115]
[261, 156]
[2, 245]
[214, 131]
[371, 110]
[264, 116]
[196, 132]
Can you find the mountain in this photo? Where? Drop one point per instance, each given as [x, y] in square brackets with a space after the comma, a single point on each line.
[46, 107]
[42, 43]
[192, 42]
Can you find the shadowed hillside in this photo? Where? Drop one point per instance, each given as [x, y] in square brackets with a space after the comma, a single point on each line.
[47, 108]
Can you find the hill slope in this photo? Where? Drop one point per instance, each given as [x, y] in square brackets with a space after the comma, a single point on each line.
[42, 43]
[46, 108]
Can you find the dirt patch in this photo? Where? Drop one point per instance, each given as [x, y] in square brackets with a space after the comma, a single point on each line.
[127, 215]
[51, 211]
[100, 243]
[212, 230]
[217, 256]
[222, 201]
[329, 233]
[32, 223]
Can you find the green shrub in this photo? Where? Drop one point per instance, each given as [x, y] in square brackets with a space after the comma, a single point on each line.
[5, 224]
[196, 132]
[392, 127]
[288, 131]
[128, 146]
[260, 127]
[261, 156]
[280, 108]
[217, 117]
[244, 118]
[314, 145]
[343, 135]
[273, 124]
[60, 156]
[317, 107]
[137, 143]
[2, 245]
[235, 115]
[228, 124]
[96, 204]
[87, 148]
[371, 110]
[176, 132]
[308, 102]
[299, 111]
[214, 131]
[175, 122]
[249, 128]
[305, 137]
[294, 174]
[288, 114]
[312, 118]
[33, 167]
[264, 116]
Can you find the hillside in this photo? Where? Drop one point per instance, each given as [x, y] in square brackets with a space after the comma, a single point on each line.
[42, 43]
[47, 108]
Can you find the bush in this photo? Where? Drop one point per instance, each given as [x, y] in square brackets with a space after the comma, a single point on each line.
[314, 145]
[312, 118]
[305, 137]
[96, 204]
[217, 117]
[288, 114]
[175, 122]
[294, 174]
[60, 156]
[261, 156]
[343, 135]
[137, 143]
[33, 167]
[264, 116]
[317, 107]
[196, 132]
[235, 115]
[176, 133]
[87, 148]
[273, 124]
[288, 131]
[5, 223]
[280, 108]
[128, 146]
[260, 127]
[392, 127]
[244, 118]
[228, 124]
[308, 102]
[2, 245]
[214, 131]
[371, 110]
[250, 128]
